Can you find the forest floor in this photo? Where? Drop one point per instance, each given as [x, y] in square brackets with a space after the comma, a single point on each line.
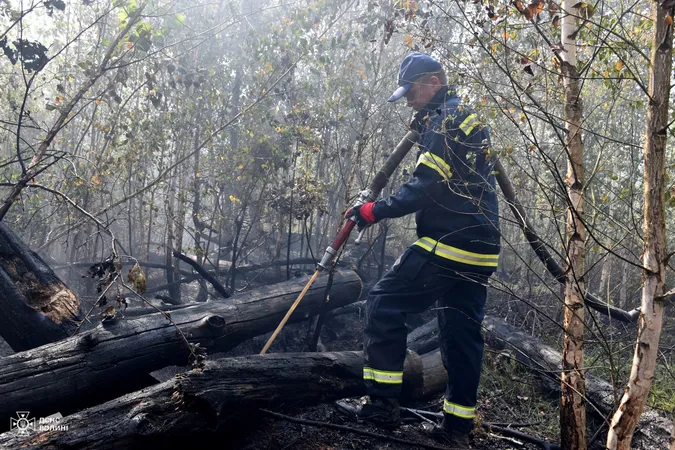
[275, 433]
[508, 394]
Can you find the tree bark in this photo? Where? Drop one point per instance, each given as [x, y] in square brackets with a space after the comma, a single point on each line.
[174, 290]
[220, 395]
[97, 365]
[36, 307]
[572, 408]
[636, 393]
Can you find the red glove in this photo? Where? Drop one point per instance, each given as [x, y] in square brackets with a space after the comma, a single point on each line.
[363, 214]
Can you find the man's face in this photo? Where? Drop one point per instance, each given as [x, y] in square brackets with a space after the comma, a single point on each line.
[421, 92]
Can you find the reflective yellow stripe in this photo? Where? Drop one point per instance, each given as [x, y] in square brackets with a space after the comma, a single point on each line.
[465, 412]
[469, 123]
[382, 376]
[436, 163]
[457, 254]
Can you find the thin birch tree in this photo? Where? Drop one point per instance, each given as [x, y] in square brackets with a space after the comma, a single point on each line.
[572, 408]
[654, 226]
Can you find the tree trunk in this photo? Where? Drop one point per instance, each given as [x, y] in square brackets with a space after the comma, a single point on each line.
[36, 307]
[197, 213]
[222, 395]
[605, 287]
[279, 244]
[179, 225]
[572, 408]
[623, 289]
[102, 363]
[654, 254]
[654, 429]
[174, 290]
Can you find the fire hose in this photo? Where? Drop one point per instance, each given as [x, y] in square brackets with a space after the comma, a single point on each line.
[369, 194]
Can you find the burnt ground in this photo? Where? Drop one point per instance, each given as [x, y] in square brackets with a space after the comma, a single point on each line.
[273, 433]
[508, 395]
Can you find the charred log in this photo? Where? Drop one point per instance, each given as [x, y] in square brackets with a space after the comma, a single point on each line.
[36, 307]
[99, 364]
[213, 398]
[424, 339]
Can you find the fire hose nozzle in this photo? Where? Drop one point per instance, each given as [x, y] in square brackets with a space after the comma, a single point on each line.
[327, 258]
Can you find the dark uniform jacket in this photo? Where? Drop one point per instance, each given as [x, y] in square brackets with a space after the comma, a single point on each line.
[452, 189]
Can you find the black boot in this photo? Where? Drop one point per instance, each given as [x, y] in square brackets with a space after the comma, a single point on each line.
[450, 437]
[380, 411]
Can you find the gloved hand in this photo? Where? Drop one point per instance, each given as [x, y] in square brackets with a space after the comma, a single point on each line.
[363, 214]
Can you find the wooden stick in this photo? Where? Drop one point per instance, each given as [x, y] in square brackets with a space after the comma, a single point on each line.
[288, 314]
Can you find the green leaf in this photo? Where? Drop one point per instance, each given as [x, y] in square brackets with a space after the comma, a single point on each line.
[180, 17]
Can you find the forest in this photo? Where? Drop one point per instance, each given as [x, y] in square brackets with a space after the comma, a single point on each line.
[172, 173]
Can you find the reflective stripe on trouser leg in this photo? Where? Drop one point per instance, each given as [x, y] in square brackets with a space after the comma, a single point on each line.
[382, 376]
[464, 412]
[407, 288]
[460, 315]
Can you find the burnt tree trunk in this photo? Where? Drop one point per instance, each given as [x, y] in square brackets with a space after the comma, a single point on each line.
[218, 397]
[112, 359]
[36, 307]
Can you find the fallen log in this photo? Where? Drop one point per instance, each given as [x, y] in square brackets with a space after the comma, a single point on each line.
[654, 430]
[216, 397]
[424, 339]
[435, 377]
[527, 349]
[36, 307]
[105, 362]
[224, 266]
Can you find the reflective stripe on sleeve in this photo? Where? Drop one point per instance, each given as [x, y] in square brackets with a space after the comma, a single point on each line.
[465, 412]
[457, 254]
[437, 163]
[382, 376]
[469, 123]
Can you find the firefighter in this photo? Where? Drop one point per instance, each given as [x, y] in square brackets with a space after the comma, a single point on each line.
[452, 192]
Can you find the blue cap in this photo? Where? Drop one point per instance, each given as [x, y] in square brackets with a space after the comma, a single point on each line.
[414, 66]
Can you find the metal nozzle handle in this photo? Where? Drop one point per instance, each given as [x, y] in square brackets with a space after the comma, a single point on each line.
[359, 237]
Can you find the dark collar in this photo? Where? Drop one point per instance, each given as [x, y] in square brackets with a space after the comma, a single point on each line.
[443, 94]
